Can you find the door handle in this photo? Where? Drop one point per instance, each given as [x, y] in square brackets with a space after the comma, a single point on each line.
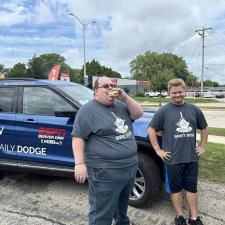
[30, 121]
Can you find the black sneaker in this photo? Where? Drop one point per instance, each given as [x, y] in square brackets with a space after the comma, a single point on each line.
[179, 220]
[195, 222]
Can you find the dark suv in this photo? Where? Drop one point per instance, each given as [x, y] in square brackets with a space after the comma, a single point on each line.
[36, 120]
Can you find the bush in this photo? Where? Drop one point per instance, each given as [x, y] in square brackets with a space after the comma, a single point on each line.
[140, 95]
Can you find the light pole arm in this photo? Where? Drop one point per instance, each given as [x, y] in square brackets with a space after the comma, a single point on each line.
[84, 25]
[72, 14]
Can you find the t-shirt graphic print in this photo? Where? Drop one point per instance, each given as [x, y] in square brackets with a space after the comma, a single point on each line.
[183, 125]
[120, 125]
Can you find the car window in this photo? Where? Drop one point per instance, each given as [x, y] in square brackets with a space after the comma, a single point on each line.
[6, 99]
[43, 101]
[78, 92]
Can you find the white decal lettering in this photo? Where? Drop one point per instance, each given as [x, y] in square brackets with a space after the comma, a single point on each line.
[23, 149]
[124, 136]
[7, 147]
[1, 130]
[31, 150]
[184, 135]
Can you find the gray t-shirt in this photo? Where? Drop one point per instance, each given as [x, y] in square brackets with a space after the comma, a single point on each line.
[108, 135]
[179, 124]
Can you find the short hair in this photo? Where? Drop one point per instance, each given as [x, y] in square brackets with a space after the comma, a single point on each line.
[96, 84]
[175, 83]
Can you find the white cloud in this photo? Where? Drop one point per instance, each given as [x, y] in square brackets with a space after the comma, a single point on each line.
[43, 14]
[12, 13]
[74, 58]
[124, 30]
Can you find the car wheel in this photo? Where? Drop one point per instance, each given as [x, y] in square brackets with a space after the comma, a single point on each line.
[148, 182]
[1, 176]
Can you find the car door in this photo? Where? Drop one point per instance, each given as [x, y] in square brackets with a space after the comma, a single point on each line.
[41, 136]
[7, 123]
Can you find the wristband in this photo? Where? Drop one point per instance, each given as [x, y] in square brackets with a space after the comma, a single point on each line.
[76, 164]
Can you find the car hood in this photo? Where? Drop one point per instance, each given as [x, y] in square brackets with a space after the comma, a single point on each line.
[141, 125]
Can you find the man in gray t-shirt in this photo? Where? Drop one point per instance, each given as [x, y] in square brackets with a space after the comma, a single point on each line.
[105, 151]
[178, 122]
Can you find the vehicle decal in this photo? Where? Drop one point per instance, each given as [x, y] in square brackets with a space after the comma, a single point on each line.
[54, 136]
[1, 130]
[23, 149]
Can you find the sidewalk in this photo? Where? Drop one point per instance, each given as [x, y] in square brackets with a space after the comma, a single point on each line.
[214, 139]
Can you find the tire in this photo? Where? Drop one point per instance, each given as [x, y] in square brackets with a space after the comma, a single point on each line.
[148, 182]
[1, 176]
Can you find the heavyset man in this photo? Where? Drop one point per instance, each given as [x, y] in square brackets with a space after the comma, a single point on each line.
[178, 120]
[105, 152]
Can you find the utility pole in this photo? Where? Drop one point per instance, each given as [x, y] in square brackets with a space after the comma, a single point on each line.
[201, 32]
[84, 25]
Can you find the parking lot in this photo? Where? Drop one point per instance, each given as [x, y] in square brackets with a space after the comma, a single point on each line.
[39, 200]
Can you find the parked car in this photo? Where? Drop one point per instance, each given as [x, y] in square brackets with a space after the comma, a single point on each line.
[197, 94]
[36, 120]
[155, 94]
[208, 95]
[220, 96]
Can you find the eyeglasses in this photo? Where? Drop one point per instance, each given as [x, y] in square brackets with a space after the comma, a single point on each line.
[107, 86]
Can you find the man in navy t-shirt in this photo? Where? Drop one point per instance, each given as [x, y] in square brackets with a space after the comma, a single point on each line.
[105, 152]
[179, 120]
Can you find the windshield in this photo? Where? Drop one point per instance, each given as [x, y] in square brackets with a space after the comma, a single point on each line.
[77, 92]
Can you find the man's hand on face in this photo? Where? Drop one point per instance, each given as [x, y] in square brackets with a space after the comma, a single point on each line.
[122, 94]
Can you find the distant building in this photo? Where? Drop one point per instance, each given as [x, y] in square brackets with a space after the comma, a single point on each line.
[2, 75]
[65, 76]
[129, 85]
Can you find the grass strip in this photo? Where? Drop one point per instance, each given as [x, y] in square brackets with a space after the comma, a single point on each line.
[164, 100]
[212, 164]
[216, 131]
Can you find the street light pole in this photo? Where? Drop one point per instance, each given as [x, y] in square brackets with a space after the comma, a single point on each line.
[84, 25]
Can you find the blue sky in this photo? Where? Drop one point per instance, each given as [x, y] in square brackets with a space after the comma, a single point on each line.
[123, 30]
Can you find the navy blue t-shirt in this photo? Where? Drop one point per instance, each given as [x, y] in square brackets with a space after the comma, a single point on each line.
[179, 124]
[108, 135]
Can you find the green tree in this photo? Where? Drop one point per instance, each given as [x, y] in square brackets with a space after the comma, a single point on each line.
[39, 67]
[18, 70]
[210, 83]
[144, 67]
[76, 76]
[36, 69]
[94, 68]
[160, 80]
[192, 81]
[176, 64]
[1, 68]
